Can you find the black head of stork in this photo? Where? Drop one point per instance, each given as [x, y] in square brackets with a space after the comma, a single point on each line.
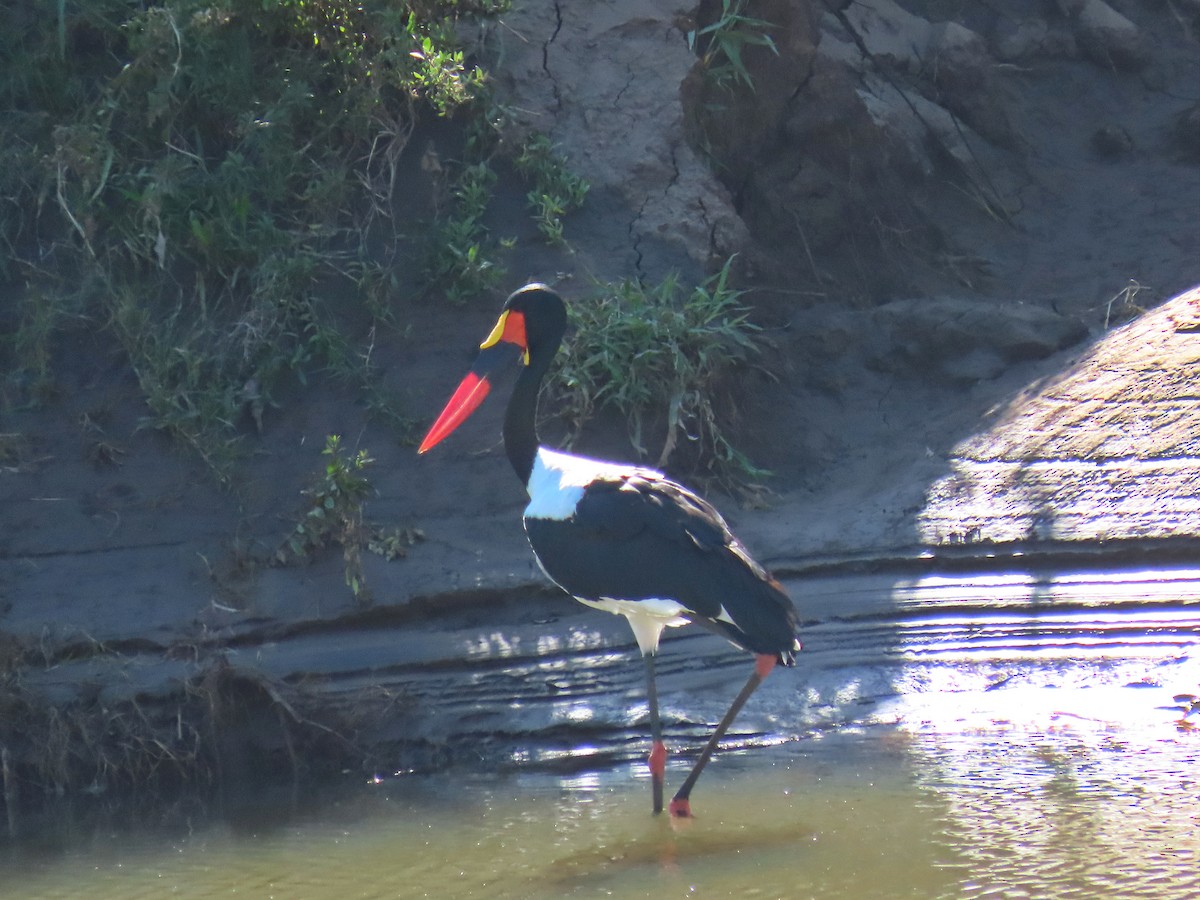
[531, 328]
[621, 538]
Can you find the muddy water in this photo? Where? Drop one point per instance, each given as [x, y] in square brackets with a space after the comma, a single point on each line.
[1009, 734]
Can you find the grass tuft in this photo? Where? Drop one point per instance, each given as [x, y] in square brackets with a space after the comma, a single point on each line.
[661, 354]
[720, 43]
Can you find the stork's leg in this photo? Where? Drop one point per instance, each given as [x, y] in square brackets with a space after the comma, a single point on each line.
[763, 664]
[658, 750]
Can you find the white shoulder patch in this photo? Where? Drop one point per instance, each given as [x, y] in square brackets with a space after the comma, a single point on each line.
[558, 481]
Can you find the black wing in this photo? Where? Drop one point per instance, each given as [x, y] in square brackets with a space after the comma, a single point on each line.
[642, 537]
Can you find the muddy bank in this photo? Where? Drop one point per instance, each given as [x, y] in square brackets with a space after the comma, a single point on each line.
[533, 681]
[944, 227]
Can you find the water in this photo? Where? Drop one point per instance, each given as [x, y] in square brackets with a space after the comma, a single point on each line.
[1000, 735]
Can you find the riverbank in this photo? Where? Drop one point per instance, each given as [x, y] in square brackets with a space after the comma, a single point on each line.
[1035, 397]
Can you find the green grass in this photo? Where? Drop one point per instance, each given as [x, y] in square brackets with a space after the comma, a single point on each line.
[662, 355]
[720, 43]
[188, 174]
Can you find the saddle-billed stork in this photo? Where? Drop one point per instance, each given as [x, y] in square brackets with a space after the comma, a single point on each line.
[622, 538]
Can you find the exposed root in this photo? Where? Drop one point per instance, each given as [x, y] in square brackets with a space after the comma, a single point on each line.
[226, 726]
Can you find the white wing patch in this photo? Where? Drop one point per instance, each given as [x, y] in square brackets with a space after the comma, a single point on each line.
[647, 618]
[558, 481]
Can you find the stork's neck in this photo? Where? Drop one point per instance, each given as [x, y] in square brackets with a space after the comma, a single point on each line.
[520, 422]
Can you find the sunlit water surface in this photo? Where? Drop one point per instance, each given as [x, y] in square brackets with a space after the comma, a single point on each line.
[976, 743]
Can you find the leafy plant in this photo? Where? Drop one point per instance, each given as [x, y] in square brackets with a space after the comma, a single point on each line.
[556, 191]
[335, 515]
[720, 44]
[660, 353]
[442, 74]
[461, 250]
[393, 543]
